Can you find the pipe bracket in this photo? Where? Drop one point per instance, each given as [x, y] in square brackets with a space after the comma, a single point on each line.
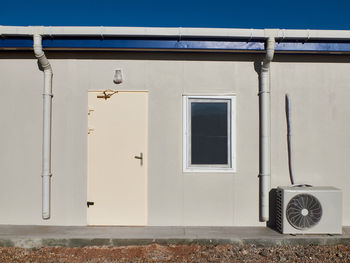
[262, 92]
[264, 175]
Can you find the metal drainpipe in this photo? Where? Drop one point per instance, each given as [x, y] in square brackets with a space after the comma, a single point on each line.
[47, 105]
[264, 130]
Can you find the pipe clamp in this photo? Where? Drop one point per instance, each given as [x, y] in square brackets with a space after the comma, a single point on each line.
[262, 92]
[264, 175]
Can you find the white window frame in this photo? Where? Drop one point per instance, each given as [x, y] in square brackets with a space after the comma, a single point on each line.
[187, 167]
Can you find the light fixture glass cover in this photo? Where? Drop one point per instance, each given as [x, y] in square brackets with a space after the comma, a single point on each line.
[118, 77]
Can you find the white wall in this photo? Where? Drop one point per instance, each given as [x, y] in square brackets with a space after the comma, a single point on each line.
[320, 94]
[175, 198]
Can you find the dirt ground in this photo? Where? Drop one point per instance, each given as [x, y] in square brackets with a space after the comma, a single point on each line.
[178, 253]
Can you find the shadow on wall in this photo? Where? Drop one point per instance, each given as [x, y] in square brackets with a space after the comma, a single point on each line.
[179, 56]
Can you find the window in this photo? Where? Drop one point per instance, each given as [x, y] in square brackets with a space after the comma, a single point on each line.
[209, 133]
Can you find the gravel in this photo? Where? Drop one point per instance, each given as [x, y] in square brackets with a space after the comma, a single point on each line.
[178, 253]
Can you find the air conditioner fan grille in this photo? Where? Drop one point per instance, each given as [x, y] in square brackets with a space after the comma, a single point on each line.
[303, 211]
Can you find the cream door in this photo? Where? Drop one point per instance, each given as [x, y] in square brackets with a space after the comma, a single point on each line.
[117, 158]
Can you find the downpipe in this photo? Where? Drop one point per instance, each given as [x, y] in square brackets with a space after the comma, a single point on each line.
[264, 132]
[47, 119]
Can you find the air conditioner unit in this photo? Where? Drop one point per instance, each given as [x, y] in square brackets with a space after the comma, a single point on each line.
[308, 210]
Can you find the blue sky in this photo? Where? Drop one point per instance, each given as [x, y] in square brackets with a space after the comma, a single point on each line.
[306, 14]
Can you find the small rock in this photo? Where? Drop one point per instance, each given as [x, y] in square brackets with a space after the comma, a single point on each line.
[263, 253]
[282, 259]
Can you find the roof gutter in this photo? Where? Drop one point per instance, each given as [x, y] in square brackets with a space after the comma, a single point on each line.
[178, 32]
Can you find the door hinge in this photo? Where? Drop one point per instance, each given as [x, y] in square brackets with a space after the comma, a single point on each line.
[90, 111]
[140, 158]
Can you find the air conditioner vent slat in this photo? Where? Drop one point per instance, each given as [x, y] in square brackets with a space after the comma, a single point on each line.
[279, 211]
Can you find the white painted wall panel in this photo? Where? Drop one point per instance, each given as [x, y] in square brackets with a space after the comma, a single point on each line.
[320, 129]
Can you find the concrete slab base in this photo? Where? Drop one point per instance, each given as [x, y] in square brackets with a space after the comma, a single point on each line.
[80, 236]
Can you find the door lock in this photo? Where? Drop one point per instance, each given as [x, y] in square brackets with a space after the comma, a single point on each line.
[140, 158]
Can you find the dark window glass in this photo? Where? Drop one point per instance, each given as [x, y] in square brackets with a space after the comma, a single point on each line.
[209, 133]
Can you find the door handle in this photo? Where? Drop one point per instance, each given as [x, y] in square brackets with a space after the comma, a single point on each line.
[140, 158]
[89, 203]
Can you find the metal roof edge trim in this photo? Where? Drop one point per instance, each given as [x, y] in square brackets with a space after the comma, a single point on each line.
[172, 45]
